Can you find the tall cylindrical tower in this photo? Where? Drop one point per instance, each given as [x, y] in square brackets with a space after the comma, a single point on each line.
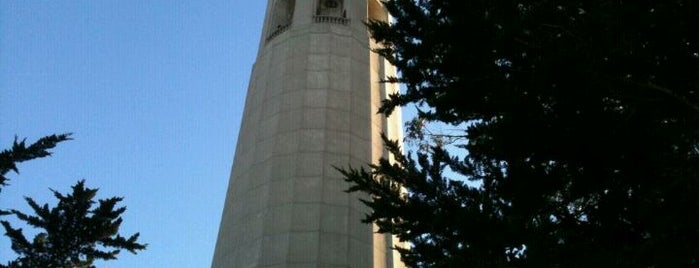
[311, 104]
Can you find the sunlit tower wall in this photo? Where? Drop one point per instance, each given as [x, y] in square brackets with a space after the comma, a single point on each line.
[312, 104]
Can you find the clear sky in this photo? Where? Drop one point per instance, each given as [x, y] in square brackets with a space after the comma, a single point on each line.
[153, 92]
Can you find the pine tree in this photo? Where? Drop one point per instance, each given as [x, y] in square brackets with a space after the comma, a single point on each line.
[581, 133]
[75, 233]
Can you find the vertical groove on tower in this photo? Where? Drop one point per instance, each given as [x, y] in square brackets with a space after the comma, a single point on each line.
[311, 105]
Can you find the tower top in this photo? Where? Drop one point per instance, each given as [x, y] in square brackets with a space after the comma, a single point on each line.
[285, 14]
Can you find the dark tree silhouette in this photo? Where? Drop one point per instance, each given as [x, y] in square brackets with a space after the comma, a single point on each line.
[75, 233]
[581, 127]
[20, 153]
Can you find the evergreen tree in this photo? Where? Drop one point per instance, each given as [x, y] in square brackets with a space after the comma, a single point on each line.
[75, 233]
[581, 127]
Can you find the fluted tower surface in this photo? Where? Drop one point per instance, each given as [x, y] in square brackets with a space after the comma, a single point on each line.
[312, 104]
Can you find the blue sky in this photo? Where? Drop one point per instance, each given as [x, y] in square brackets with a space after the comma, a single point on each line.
[153, 92]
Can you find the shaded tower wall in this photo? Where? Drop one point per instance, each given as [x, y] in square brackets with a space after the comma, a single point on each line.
[311, 104]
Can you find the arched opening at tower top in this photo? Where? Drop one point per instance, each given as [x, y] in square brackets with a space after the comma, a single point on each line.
[282, 16]
[376, 11]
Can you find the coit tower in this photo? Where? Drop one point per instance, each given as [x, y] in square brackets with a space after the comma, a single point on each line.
[311, 105]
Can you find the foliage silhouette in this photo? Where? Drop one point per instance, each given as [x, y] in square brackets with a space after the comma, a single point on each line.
[20, 153]
[75, 232]
[581, 121]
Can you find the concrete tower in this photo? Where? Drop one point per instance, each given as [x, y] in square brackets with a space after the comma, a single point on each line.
[311, 104]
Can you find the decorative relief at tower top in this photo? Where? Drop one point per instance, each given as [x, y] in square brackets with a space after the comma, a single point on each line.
[330, 8]
[331, 11]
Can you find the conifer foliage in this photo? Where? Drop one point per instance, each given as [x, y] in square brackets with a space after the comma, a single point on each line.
[20, 153]
[581, 133]
[74, 233]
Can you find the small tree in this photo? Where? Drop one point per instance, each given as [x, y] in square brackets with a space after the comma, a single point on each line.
[75, 232]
